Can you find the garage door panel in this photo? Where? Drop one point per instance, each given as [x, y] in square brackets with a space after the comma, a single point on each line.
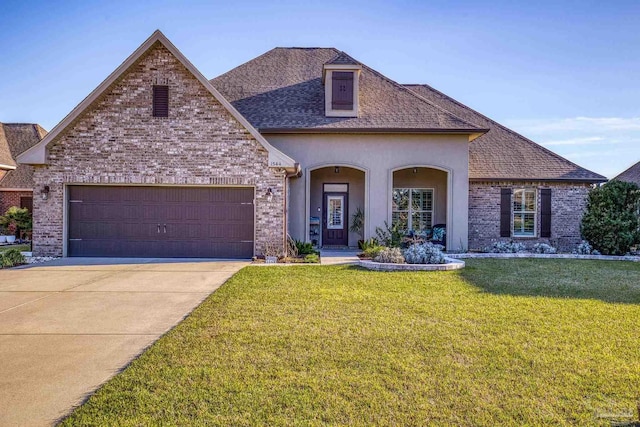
[160, 221]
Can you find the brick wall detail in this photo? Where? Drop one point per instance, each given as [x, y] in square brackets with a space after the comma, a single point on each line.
[11, 198]
[568, 203]
[117, 141]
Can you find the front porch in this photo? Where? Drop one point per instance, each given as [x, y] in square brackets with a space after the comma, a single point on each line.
[417, 202]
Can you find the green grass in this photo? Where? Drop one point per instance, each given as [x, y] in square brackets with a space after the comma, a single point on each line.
[502, 342]
[21, 248]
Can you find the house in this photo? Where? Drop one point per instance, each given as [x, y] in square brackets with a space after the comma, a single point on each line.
[16, 180]
[630, 175]
[160, 161]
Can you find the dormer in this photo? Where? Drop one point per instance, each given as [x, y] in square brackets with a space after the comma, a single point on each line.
[341, 78]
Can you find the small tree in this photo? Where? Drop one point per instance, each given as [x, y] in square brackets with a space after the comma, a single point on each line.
[611, 223]
[16, 219]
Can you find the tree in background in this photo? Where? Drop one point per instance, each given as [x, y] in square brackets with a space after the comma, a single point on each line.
[612, 221]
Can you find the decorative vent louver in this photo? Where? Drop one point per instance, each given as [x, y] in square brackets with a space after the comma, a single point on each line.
[160, 101]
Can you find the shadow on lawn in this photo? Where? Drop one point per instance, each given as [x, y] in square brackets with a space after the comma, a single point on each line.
[608, 281]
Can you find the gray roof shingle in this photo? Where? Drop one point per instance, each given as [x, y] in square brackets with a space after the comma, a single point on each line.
[630, 175]
[16, 138]
[504, 154]
[283, 89]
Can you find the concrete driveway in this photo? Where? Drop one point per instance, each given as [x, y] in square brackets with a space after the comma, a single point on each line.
[68, 326]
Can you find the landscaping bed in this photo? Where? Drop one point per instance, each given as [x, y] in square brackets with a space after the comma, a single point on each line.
[507, 342]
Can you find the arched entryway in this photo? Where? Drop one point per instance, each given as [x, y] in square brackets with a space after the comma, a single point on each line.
[336, 194]
[420, 200]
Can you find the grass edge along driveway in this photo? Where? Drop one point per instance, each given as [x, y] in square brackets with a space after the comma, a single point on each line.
[502, 342]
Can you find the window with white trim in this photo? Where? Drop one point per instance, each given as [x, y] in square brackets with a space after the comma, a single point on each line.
[412, 208]
[524, 212]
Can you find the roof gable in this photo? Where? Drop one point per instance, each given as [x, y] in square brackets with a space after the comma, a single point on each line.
[38, 155]
[17, 138]
[282, 89]
[502, 153]
[630, 175]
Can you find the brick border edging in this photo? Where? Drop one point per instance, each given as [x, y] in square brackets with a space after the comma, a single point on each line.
[452, 264]
[546, 256]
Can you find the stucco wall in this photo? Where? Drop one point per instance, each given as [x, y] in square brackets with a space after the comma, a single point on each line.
[117, 141]
[568, 203]
[379, 156]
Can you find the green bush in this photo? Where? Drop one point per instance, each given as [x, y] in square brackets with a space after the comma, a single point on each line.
[390, 236]
[11, 258]
[611, 223]
[16, 217]
[304, 248]
[372, 251]
[369, 243]
[312, 258]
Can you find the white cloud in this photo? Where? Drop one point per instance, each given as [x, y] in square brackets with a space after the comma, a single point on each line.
[575, 141]
[581, 124]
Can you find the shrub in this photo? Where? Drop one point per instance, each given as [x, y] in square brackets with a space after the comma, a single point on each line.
[312, 258]
[390, 236]
[372, 251]
[611, 223]
[543, 248]
[390, 255]
[505, 248]
[11, 258]
[372, 242]
[426, 253]
[304, 248]
[585, 248]
[16, 218]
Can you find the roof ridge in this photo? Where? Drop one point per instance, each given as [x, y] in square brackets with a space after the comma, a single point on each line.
[501, 126]
[402, 87]
[262, 55]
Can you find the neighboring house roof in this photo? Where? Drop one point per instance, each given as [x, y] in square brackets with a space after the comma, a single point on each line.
[16, 138]
[282, 90]
[630, 175]
[37, 153]
[504, 154]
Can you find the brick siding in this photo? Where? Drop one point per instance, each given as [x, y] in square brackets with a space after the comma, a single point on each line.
[568, 203]
[117, 141]
[11, 198]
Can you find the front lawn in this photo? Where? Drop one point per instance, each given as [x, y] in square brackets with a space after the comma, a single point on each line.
[502, 342]
[21, 247]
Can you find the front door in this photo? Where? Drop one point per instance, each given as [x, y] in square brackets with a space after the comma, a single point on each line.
[335, 228]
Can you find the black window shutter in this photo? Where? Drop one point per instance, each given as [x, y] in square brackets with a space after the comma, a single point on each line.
[342, 90]
[160, 101]
[505, 212]
[545, 212]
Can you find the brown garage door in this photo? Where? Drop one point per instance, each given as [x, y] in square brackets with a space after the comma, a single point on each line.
[165, 222]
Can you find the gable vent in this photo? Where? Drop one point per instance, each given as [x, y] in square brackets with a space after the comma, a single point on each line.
[160, 101]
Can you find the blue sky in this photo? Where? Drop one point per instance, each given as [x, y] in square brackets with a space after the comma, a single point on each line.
[564, 73]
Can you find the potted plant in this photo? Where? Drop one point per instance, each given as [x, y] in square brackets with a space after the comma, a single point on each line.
[357, 225]
[3, 234]
[12, 227]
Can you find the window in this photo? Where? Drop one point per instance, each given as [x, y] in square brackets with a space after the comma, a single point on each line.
[412, 208]
[160, 101]
[524, 212]
[342, 90]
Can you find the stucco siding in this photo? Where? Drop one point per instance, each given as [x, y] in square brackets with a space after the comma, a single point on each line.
[379, 156]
